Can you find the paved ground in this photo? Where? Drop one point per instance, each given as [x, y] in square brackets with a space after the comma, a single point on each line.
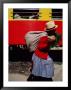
[19, 71]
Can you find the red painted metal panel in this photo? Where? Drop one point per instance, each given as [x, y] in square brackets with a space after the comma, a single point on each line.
[18, 29]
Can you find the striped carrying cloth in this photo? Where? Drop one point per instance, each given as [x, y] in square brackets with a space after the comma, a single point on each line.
[32, 39]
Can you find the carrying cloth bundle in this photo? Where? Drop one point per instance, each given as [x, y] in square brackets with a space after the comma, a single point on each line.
[32, 39]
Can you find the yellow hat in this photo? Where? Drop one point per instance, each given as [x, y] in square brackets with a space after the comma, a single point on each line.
[51, 25]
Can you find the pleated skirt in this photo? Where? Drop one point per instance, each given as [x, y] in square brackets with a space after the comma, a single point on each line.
[42, 67]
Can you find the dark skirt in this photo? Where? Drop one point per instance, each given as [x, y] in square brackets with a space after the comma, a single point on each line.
[38, 78]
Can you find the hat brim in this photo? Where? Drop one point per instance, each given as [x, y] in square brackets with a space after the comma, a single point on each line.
[48, 29]
[56, 26]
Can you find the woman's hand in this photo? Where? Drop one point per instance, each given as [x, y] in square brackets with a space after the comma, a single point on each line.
[51, 38]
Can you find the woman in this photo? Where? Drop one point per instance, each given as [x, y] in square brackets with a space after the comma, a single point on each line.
[43, 67]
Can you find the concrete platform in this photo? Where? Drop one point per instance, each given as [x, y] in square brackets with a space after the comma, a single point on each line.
[21, 74]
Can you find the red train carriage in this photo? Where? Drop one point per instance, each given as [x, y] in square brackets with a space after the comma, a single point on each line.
[23, 20]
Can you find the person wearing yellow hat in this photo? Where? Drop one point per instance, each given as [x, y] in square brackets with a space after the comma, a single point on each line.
[43, 66]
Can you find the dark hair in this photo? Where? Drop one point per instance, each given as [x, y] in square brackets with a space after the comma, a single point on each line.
[51, 32]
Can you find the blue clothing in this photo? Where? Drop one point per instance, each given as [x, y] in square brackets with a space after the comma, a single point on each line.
[41, 67]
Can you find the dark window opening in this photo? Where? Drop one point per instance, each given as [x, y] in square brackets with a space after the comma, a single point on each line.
[57, 13]
[25, 13]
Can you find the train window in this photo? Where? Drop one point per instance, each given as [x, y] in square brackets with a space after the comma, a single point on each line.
[25, 13]
[57, 14]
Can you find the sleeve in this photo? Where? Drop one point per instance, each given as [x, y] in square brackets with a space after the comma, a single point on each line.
[43, 43]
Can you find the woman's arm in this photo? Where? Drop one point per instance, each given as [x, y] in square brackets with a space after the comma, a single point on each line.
[51, 38]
